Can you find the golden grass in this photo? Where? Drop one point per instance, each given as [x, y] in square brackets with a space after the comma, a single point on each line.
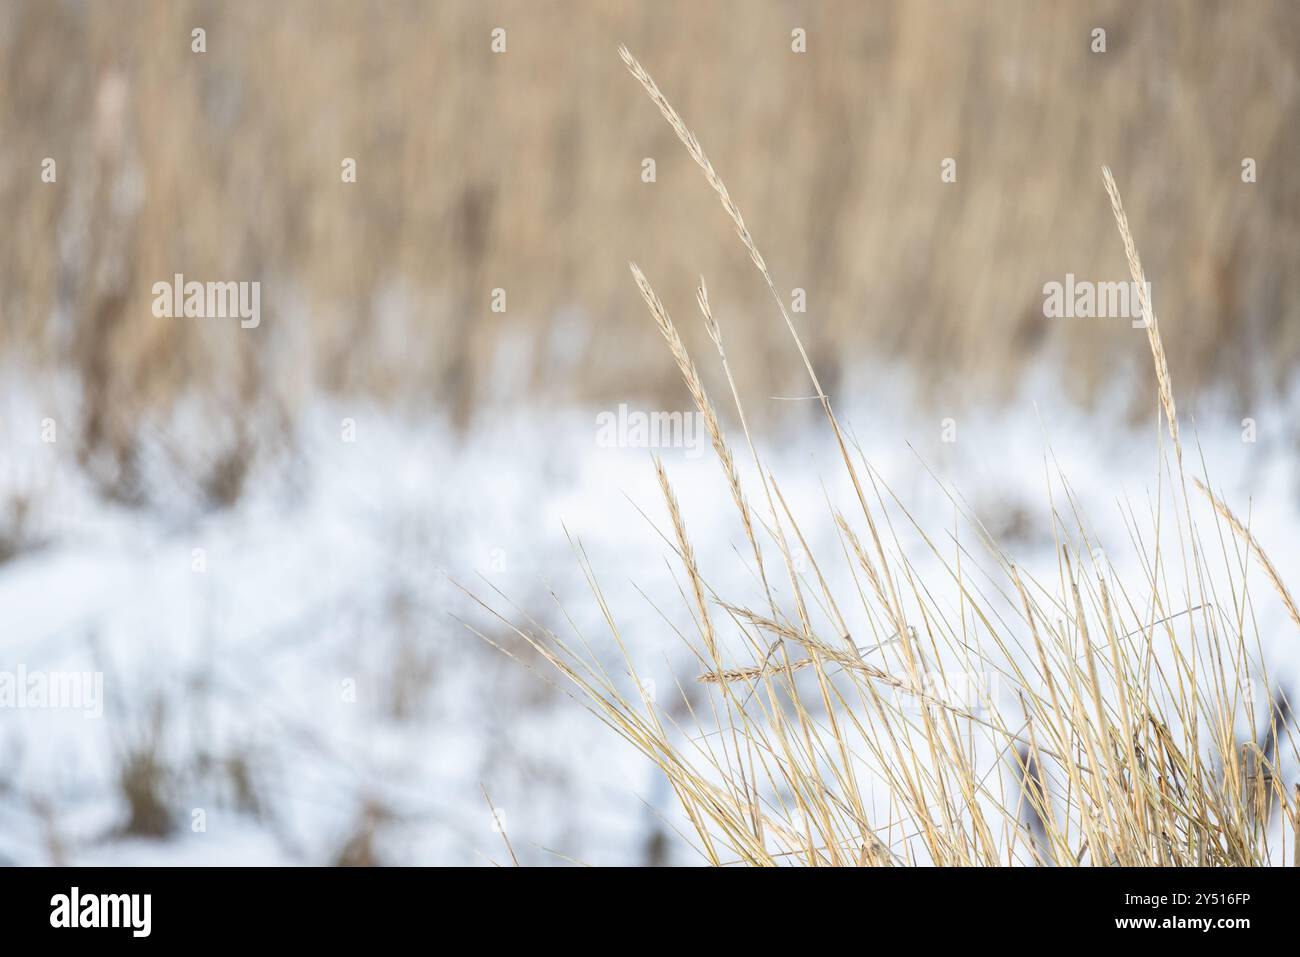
[1242, 532]
[1163, 381]
[1118, 736]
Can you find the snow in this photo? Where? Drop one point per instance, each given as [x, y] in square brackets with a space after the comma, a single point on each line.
[313, 680]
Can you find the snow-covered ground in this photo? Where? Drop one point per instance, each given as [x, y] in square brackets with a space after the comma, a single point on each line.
[292, 677]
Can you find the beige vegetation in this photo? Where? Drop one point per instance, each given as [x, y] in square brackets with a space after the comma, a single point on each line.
[522, 171]
[1108, 751]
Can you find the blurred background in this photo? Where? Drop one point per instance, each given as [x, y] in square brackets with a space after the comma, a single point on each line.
[328, 560]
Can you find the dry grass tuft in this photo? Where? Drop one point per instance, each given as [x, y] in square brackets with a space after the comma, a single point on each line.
[1106, 723]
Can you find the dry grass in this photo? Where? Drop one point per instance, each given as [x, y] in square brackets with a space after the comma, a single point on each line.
[522, 171]
[1111, 726]
[1163, 382]
[1242, 532]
